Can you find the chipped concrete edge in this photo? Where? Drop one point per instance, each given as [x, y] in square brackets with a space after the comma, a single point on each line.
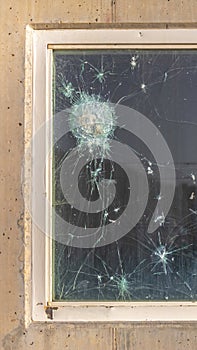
[26, 176]
[123, 25]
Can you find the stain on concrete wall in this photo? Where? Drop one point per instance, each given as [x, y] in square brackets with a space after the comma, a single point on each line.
[14, 16]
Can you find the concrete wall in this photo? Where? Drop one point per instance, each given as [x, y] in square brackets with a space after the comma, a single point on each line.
[14, 16]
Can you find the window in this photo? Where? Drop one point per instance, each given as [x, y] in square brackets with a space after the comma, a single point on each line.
[114, 172]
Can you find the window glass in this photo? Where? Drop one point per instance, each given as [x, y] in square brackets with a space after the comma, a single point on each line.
[124, 175]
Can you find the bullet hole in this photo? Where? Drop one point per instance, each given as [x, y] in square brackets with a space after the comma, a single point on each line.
[68, 335]
[10, 228]
[9, 33]
[8, 107]
[20, 296]
[8, 237]
[31, 343]
[3, 233]
[31, 19]
[20, 124]
[96, 19]
[9, 150]
[10, 8]
[16, 199]
[9, 291]
[41, 331]
[79, 5]
[13, 54]
[0, 252]
[15, 313]
[24, 333]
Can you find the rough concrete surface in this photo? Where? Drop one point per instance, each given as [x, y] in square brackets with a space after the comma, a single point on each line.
[14, 16]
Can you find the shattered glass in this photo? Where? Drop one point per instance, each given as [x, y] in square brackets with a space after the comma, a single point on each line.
[161, 85]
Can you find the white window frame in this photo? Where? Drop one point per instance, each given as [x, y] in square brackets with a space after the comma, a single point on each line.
[38, 61]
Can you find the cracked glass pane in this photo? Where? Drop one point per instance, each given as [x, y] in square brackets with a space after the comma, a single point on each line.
[124, 175]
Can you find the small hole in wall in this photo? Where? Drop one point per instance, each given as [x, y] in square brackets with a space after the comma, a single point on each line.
[20, 124]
